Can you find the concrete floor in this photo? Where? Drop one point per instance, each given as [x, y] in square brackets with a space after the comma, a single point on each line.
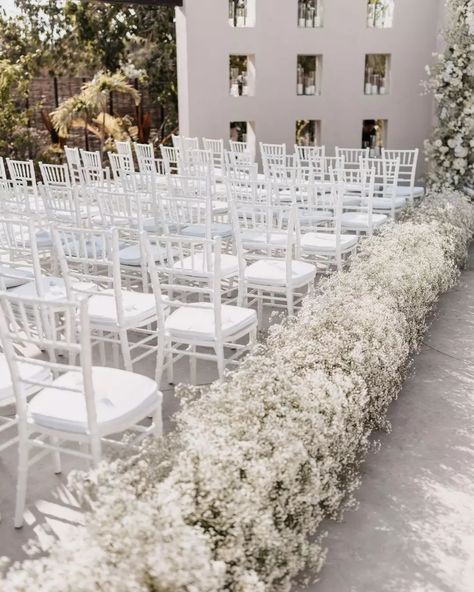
[414, 529]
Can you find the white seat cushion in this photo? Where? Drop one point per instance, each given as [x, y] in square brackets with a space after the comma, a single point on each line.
[44, 239]
[385, 203]
[325, 242]
[199, 230]
[119, 396]
[132, 255]
[197, 265]
[92, 247]
[219, 207]
[138, 308]
[11, 277]
[196, 322]
[311, 217]
[360, 221]
[272, 272]
[54, 289]
[417, 191]
[27, 372]
[258, 239]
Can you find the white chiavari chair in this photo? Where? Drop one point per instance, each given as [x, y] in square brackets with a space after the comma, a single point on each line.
[189, 208]
[359, 217]
[386, 200]
[76, 407]
[269, 238]
[323, 242]
[89, 260]
[193, 280]
[407, 175]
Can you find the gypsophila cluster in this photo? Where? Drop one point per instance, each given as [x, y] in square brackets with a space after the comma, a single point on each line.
[235, 498]
[450, 150]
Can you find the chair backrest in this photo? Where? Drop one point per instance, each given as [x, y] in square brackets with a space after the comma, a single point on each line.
[62, 205]
[147, 163]
[93, 173]
[275, 152]
[183, 144]
[171, 159]
[55, 175]
[15, 199]
[187, 202]
[62, 332]
[19, 254]
[408, 162]
[73, 159]
[242, 171]
[91, 159]
[3, 172]
[216, 147]
[242, 148]
[120, 208]
[124, 149]
[359, 181]
[123, 172]
[386, 174]
[309, 155]
[352, 156]
[23, 170]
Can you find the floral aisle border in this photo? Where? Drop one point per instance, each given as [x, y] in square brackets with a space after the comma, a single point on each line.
[450, 151]
[232, 498]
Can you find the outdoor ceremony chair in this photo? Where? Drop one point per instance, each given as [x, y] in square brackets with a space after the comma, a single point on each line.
[359, 217]
[407, 175]
[76, 405]
[386, 199]
[268, 238]
[193, 281]
[89, 261]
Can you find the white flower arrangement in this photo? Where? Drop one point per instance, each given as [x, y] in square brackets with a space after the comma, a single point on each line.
[450, 151]
[234, 498]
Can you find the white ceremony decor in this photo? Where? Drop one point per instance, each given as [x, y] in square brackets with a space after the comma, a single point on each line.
[450, 151]
[233, 500]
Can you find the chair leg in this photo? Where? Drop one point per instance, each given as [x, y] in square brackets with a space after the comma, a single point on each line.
[158, 422]
[289, 302]
[193, 365]
[56, 456]
[260, 309]
[220, 360]
[169, 364]
[125, 347]
[22, 480]
[96, 451]
[101, 348]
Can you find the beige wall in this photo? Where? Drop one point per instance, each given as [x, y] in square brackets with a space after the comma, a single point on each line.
[205, 41]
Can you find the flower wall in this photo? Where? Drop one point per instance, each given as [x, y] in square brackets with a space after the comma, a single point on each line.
[233, 500]
[450, 151]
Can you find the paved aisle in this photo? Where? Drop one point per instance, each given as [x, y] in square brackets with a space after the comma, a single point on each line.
[414, 529]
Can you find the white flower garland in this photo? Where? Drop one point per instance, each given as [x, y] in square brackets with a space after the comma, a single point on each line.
[231, 499]
[450, 151]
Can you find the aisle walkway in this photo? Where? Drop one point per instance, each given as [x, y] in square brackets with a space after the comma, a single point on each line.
[414, 529]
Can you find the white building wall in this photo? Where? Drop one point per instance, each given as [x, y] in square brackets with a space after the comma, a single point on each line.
[205, 41]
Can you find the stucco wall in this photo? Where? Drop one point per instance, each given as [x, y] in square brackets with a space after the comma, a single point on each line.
[205, 41]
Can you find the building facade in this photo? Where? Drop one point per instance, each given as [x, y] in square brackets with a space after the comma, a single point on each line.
[307, 70]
